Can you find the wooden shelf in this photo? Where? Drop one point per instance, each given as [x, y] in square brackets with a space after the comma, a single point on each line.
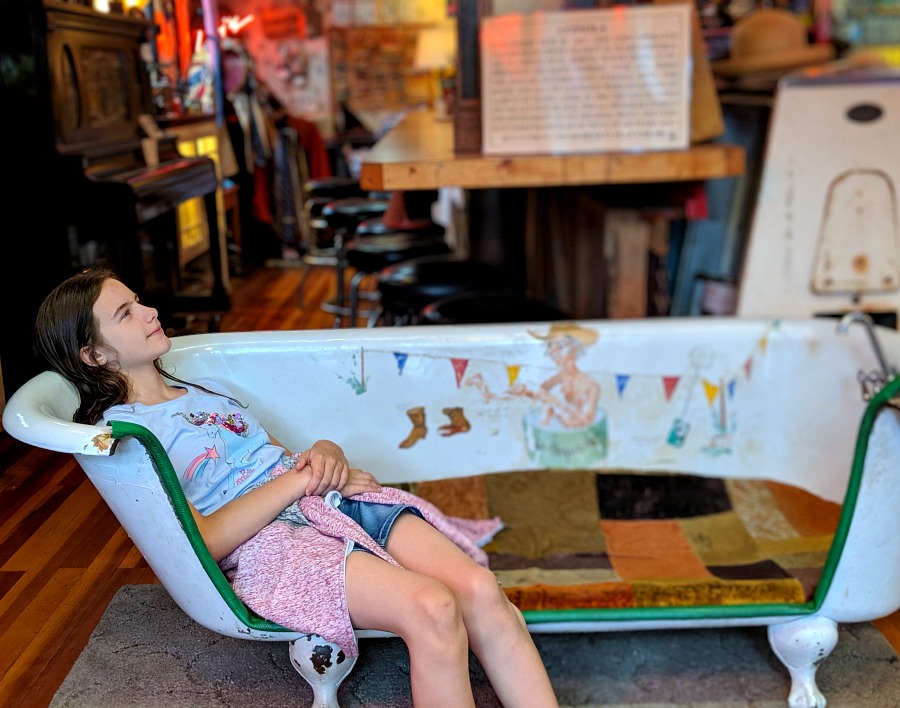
[418, 154]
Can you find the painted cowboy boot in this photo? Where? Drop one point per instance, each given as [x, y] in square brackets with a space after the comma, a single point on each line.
[458, 422]
[419, 431]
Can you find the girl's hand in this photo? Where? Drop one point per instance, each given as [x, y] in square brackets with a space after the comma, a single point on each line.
[329, 468]
[358, 482]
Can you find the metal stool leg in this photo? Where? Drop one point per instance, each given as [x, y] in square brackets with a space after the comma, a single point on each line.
[338, 306]
[355, 282]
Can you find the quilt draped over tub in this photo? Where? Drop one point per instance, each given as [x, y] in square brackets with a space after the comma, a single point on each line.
[617, 539]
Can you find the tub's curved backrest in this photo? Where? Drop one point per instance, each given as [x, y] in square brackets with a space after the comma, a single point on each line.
[717, 397]
[126, 476]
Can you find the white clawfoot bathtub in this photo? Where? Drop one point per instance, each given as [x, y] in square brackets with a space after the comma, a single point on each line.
[715, 397]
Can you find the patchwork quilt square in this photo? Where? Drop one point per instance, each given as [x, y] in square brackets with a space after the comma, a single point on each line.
[615, 539]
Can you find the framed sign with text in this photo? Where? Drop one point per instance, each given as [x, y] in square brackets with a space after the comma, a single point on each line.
[705, 115]
[597, 80]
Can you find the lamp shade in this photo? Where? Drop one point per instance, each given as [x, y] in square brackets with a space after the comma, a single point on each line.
[435, 48]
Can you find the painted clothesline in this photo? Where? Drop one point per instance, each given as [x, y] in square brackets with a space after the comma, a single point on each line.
[669, 382]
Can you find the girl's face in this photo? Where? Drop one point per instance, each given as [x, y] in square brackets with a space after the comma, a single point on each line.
[130, 332]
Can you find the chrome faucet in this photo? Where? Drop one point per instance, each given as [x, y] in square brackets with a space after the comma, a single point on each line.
[873, 381]
[858, 316]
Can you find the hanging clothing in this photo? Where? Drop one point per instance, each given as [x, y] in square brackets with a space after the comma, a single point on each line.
[313, 145]
[288, 185]
[252, 119]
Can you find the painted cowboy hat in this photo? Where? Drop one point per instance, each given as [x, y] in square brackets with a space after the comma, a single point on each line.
[770, 40]
[559, 330]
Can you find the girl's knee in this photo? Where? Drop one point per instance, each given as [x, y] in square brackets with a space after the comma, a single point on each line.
[483, 592]
[436, 612]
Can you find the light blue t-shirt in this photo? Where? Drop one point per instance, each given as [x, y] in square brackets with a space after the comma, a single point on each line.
[218, 449]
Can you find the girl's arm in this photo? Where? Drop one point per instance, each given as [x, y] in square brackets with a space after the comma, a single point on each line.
[240, 519]
[319, 470]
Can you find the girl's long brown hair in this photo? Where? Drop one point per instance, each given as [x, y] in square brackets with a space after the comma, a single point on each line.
[65, 325]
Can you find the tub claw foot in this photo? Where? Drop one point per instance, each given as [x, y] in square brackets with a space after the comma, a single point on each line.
[801, 645]
[324, 665]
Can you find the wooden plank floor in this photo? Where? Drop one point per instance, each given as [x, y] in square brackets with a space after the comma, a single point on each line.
[62, 553]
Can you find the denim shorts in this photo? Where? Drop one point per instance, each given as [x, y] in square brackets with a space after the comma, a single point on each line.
[375, 519]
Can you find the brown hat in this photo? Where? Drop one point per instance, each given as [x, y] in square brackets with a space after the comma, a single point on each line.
[770, 40]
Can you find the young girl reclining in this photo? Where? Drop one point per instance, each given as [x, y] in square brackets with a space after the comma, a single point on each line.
[368, 557]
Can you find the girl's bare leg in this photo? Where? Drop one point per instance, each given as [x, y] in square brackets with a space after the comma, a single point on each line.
[497, 632]
[425, 614]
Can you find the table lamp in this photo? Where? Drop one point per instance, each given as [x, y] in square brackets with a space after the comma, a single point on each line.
[436, 55]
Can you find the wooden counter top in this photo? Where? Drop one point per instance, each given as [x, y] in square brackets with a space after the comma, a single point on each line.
[418, 154]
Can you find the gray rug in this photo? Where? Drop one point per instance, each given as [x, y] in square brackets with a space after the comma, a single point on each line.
[146, 652]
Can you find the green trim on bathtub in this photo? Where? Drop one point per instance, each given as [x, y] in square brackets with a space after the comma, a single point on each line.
[654, 614]
[172, 486]
[890, 390]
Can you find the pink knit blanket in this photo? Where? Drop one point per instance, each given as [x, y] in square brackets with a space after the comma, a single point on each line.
[294, 574]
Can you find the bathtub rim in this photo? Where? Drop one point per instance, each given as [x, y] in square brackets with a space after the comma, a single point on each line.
[752, 614]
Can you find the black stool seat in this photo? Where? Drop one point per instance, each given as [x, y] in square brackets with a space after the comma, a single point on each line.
[377, 226]
[321, 233]
[321, 193]
[371, 253]
[348, 212]
[333, 188]
[488, 307]
[409, 286]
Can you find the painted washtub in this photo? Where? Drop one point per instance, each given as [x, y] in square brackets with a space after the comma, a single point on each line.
[804, 402]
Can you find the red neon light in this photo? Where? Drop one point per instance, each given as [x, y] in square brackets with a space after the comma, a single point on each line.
[231, 25]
